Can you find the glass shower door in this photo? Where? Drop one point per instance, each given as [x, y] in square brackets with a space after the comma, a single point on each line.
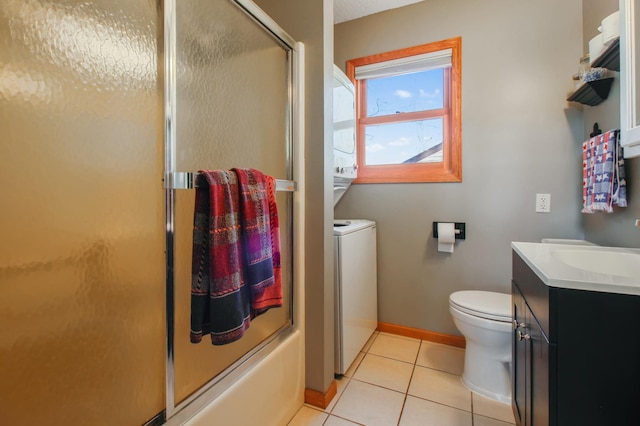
[233, 109]
[81, 225]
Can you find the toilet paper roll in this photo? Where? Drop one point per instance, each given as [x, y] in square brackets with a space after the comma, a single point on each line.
[446, 237]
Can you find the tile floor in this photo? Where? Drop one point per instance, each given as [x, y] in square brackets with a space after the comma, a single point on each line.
[398, 380]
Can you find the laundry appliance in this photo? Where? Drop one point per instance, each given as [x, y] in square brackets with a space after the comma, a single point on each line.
[345, 168]
[356, 288]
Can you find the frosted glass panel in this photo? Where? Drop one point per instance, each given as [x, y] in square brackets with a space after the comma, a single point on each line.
[232, 111]
[81, 224]
[232, 90]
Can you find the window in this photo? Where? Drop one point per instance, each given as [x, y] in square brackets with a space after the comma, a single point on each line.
[409, 114]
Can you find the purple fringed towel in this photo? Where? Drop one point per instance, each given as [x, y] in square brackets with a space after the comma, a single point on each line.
[236, 273]
[220, 300]
[260, 233]
[272, 296]
[604, 182]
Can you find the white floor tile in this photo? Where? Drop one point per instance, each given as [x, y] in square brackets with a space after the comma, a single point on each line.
[440, 387]
[307, 416]
[420, 412]
[441, 357]
[342, 384]
[400, 348]
[486, 421]
[489, 408]
[403, 381]
[369, 405]
[367, 345]
[385, 372]
[398, 336]
[337, 421]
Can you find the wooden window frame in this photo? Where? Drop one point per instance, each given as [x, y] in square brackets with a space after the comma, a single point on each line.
[450, 169]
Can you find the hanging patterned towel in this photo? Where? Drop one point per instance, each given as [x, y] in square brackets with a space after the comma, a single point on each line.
[220, 300]
[588, 155]
[604, 182]
[261, 240]
[619, 196]
[272, 295]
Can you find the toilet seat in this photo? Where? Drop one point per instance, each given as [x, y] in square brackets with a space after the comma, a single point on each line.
[483, 304]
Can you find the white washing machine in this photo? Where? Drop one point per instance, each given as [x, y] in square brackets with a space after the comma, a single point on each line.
[356, 288]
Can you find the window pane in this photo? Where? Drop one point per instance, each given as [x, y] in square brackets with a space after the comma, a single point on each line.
[404, 143]
[418, 91]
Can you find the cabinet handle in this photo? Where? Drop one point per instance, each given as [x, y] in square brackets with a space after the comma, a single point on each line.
[516, 325]
[523, 336]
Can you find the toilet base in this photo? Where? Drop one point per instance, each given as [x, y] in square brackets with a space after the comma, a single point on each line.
[494, 396]
[494, 376]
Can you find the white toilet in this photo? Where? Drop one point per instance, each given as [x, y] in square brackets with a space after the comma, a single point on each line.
[484, 319]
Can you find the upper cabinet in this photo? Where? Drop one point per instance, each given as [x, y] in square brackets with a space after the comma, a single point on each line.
[629, 78]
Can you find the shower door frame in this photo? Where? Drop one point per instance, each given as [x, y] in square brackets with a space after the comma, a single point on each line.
[173, 180]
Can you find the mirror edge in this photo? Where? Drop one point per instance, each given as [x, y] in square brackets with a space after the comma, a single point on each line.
[630, 131]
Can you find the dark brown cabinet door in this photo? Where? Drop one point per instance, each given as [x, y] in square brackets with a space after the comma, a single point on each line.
[519, 358]
[530, 365]
[538, 351]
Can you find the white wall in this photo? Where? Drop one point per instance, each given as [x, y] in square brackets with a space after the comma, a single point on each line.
[615, 229]
[311, 22]
[520, 137]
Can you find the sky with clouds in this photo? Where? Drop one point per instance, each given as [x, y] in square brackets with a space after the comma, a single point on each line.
[395, 143]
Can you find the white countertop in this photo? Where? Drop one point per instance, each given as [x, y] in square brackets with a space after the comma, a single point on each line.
[545, 261]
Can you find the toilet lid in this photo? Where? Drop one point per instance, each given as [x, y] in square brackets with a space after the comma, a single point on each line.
[484, 304]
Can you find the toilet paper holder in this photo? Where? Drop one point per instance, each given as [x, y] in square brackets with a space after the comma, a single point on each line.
[459, 227]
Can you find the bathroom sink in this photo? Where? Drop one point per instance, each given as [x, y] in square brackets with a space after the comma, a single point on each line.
[583, 267]
[601, 261]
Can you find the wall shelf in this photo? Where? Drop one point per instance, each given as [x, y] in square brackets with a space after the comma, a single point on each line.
[610, 58]
[592, 92]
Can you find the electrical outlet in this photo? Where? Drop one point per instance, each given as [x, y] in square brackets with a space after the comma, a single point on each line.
[543, 203]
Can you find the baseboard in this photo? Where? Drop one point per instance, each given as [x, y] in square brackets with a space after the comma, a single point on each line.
[418, 333]
[319, 399]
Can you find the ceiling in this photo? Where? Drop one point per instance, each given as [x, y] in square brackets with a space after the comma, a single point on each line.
[346, 10]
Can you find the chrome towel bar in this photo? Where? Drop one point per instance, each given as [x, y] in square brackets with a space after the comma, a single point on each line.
[186, 180]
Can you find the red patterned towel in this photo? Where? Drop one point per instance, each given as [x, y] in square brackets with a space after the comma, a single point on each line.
[272, 295]
[220, 300]
[260, 234]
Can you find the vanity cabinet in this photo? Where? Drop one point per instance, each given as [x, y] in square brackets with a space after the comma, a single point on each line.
[576, 354]
[530, 377]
